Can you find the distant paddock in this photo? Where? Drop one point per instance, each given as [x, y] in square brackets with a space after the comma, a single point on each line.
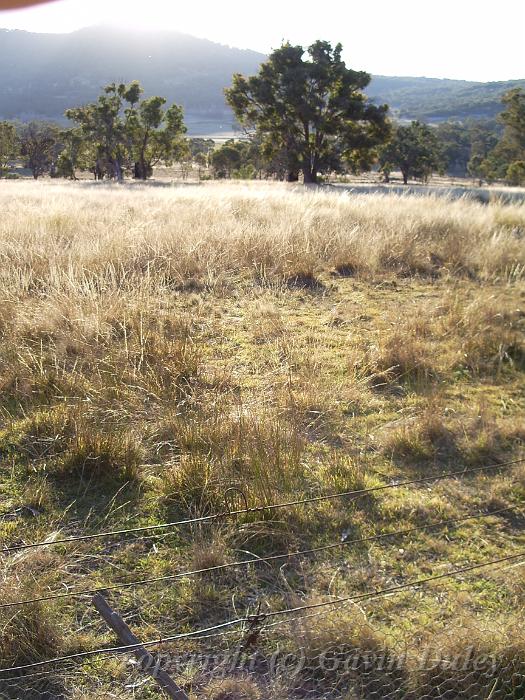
[478, 194]
[168, 178]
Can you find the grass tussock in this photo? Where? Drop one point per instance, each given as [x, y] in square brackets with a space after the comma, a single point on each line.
[401, 359]
[231, 689]
[64, 440]
[94, 454]
[438, 436]
[491, 331]
[347, 631]
[345, 651]
[467, 662]
[260, 455]
[28, 635]
[422, 437]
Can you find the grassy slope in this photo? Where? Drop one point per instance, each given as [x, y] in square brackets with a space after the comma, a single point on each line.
[161, 345]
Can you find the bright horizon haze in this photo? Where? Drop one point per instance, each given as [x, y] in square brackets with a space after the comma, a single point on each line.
[461, 40]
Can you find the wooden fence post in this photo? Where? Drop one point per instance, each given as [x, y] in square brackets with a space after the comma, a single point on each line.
[147, 660]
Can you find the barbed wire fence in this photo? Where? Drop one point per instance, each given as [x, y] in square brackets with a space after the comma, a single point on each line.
[335, 648]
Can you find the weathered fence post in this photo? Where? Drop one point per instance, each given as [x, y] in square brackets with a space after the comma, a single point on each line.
[146, 659]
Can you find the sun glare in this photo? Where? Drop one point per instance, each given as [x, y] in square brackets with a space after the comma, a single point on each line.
[155, 15]
[455, 48]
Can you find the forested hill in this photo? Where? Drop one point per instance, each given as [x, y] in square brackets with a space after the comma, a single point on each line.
[43, 74]
[431, 99]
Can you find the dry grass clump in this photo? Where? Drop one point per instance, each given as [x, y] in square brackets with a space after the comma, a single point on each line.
[491, 332]
[231, 689]
[26, 635]
[341, 473]
[43, 434]
[66, 440]
[303, 279]
[474, 437]
[426, 436]
[346, 269]
[515, 581]
[482, 437]
[417, 508]
[314, 410]
[207, 554]
[401, 358]
[509, 485]
[38, 496]
[266, 321]
[259, 454]
[93, 454]
[477, 332]
[191, 484]
[410, 444]
[343, 650]
[472, 660]
[100, 346]
[348, 630]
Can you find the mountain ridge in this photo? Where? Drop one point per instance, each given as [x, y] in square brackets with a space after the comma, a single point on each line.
[44, 74]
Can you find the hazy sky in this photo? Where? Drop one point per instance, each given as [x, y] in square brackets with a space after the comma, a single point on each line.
[471, 39]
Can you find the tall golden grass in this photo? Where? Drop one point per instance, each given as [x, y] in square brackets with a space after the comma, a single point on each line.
[88, 238]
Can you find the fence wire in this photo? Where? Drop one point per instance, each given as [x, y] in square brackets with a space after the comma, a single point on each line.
[405, 641]
[333, 656]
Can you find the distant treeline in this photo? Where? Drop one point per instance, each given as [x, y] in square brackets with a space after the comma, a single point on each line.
[305, 115]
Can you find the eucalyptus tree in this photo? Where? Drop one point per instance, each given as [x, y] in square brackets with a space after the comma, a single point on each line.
[154, 134]
[126, 132]
[415, 150]
[310, 110]
[507, 158]
[39, 146]
[9, 145]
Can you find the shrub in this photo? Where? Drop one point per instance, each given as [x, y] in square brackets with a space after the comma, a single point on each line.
[516, 173]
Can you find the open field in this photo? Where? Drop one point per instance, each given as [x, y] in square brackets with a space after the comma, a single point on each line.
[161, 345]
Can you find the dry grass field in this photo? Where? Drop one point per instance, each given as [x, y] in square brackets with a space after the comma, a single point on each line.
[161, 345]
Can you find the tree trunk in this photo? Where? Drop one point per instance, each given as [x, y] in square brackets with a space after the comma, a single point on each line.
[117, 168]
[309, 175]
[404, 173]
[143, 169]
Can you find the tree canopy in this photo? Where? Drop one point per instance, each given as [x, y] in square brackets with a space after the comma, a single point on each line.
[39, 146]
[415, 150]
[313, 111]
[8, 144]
[125, 131]
[507, 157]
